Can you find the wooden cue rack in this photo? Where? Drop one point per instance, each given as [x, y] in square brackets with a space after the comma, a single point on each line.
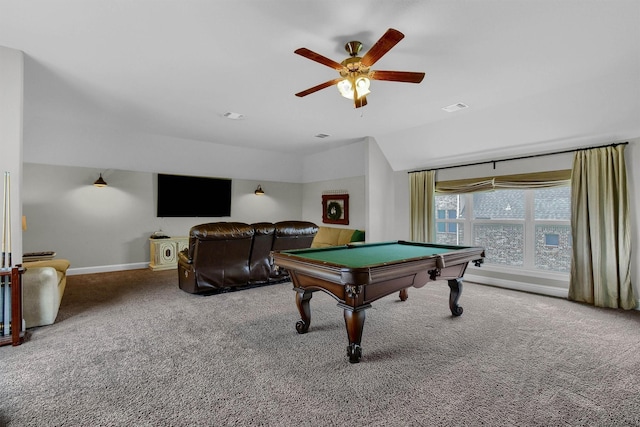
[17, 334]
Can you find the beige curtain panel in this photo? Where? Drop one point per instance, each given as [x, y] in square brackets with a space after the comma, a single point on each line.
[422, 199]
[526, 180]
[601, 267]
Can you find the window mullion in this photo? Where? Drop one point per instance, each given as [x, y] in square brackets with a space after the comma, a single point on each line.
[468, 220]
[529, 231]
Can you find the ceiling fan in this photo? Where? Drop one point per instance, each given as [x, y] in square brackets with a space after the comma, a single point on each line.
[355, 72]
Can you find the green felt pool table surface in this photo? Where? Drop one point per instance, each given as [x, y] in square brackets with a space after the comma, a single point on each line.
[373, 254]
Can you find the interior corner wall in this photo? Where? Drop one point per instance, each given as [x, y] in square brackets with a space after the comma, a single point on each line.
[354, 186]
[380, 195]
[11, 119]
[341, 168]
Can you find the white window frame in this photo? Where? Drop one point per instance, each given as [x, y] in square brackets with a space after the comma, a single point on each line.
[529, 224]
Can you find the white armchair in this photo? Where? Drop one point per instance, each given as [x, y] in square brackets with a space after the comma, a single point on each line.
[43, 285]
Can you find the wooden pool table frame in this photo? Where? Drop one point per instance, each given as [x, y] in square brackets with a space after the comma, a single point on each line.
[355, 288]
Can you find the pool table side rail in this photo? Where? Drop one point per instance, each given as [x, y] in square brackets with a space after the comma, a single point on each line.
[459, 254]
[377, 281]
[379, 272]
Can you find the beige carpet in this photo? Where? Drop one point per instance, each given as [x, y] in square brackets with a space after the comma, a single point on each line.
[131, 349]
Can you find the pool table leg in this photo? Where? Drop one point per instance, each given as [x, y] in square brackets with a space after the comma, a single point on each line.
[302, 301]
[403, 294]
[456, 289]
[354, 320]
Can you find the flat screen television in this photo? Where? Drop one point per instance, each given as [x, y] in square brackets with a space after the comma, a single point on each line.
[193, 196]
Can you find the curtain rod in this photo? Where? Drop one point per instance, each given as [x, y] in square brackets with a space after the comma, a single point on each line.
[520, 158]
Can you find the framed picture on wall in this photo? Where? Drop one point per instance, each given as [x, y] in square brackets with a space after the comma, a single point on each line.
[335, 209]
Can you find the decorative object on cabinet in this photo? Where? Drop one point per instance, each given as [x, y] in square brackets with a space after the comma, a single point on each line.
[164, 251]
[335, 209]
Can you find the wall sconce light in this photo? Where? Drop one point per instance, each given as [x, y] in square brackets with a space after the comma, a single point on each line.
[100, 182]
[259, 191]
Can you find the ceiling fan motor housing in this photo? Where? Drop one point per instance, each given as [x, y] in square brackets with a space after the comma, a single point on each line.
[353, 48]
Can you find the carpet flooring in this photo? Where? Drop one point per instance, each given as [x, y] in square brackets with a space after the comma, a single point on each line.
[131, 349]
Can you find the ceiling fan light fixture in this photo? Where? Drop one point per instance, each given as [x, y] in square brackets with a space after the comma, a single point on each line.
[355, 71]
[346, 88]
[362, 85]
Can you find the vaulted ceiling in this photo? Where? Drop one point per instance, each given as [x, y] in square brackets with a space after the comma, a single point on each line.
[536, 75]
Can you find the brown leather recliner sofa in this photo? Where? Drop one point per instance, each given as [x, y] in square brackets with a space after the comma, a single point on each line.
[223, 256]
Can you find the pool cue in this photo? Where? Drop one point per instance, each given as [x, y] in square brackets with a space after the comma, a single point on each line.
[4, 258]
[6, 255]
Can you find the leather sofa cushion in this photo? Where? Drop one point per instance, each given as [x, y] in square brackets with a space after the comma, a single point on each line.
[263, 228]
[222, 231]
[259, 264]
[295, 228]
[293, 235]
[217, 231]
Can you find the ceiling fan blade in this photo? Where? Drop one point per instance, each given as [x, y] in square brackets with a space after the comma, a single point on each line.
[382, 46]
[309, 54]
[319, 87]
[397, 76]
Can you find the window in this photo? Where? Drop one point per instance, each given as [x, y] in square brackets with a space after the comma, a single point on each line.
[552, 239]
[449, 224]
[527, 229]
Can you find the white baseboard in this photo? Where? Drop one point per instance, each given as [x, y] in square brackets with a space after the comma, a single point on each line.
[107, 268]
[523, 286]
[518, 286]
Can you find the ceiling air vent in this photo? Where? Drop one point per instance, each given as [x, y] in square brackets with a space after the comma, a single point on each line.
[233, 116]
[455, 107]
[322, 135]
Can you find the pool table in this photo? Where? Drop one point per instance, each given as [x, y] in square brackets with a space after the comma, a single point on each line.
[358, 274]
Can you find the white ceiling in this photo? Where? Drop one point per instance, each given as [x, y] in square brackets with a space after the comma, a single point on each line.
[537, 75]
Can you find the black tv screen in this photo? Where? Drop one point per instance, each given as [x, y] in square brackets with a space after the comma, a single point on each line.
[193, 196]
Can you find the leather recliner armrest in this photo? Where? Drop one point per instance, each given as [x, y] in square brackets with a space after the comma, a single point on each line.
[183, 256]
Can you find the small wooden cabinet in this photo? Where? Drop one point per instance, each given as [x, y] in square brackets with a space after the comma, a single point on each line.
[164, 252]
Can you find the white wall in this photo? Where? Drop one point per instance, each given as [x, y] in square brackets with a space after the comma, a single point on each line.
[380, 196]
[106, 227]
[355, 187]
[342, 168]
[343, 162]
[11, 101]
[93, 146]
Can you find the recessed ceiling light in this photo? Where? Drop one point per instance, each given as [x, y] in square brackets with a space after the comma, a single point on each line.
[455, 107]
[233, 116]
[322, 135]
